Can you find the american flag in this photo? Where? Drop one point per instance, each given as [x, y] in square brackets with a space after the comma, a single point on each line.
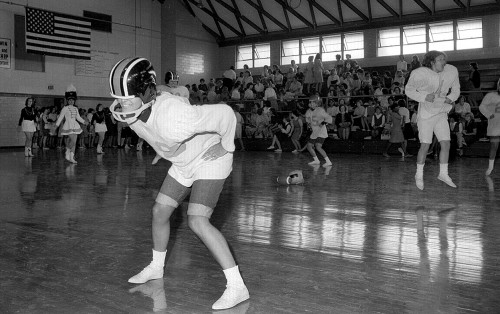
[57, 34]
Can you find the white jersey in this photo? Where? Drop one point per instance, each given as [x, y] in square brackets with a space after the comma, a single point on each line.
[491, 106]
[181, 91]
[424, 81]
[182, 133]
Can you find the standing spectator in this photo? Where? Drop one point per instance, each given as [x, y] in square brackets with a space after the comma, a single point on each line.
[456, 132]
[259, 89]
[229, 76]
[47, 125]
[27, 122]
[297, 126]
[238, 134]
[435, 86]
[387, 80]
[348, 63]
[90, 114]
[235, 93]
[399, 78]
[278, 79]
[415, 63]
[407, 128]
[470, 129]
[317, 119]
[247, 79]
[490, 108]
[294, 67]
[402, 65]
[475, 85]
[71, 128]
[396, 137]
[99, 122]
[318, 70]
[308, 75]
[339, 64]
[359, 116]
[333, 79]
[84, 136]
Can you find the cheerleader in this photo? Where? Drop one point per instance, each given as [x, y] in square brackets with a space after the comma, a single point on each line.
[490, 108]
[27, 122]
[71, 127]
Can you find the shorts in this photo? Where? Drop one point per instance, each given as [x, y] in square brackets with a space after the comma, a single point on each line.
[204, 195]
[318, 140]
[437, 124]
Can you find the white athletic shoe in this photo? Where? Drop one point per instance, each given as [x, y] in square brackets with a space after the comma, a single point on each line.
[419, 182]
[148, 273]
[314, 162]
[488, 172]
[327, 164]
[446, 179]
[232, 296]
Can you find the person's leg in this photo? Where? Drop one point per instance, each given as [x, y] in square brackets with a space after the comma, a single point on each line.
[386, 153]
[204, 197]
[278, 143]
[273, 143]
[171, 194]
[241, 143]
[442, 131]
[28, 143]
[310, 149]
[101, 136]
[319, 148]
[425, 135]
[72, 138]
[494, 141]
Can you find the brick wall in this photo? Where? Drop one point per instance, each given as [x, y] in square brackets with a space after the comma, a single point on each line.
[10, 111]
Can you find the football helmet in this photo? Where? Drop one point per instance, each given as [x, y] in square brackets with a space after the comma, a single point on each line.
[132, 82]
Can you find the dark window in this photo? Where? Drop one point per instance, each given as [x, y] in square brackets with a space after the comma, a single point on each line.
[99, 22]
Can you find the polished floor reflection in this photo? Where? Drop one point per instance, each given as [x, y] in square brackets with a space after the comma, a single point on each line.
[355, 238]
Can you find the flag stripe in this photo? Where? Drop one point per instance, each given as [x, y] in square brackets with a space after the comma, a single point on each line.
[41, 38]
[58, 34]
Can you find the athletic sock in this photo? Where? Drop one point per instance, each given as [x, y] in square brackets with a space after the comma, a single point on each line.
[420, 170]
[443, 169]
[233, 277]
[158, 259]
[491, 164]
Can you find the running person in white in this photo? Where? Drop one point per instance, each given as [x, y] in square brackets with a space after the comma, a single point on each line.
[199, 142]
[435, 86]
[490, 108]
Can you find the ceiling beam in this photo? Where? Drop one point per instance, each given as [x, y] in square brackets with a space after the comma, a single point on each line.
[237, 15]
[460, 4]
[369, 5]
[356, 10]
[324, 11]
[262, 20]
[297, 14]
[188, 7]
[217, 18]
[341, 17]
[285, 13]
[269, 16]
[313, 16]
[423, 6]
[388, 8]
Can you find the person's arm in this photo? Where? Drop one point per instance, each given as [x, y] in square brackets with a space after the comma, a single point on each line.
[455, 87]
[21, 118]
[80, 119]
[301, 126]
[484, 107]
[413, 89]
[61, 116]
[328, 118]
[185, 121]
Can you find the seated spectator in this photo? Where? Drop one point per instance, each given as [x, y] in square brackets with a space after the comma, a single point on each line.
[378, 123]
[225, 95]
[259, 89]
[359, 116]
[240, 78]
[356, 84]
[366, 84]
[219, 86]
[247, 78]
[461, 107]
[332, 110]
[235, 93]
[270, 93]
[384, 100]
[387, 80]
[469, 129]
[456, 133]
[333, 78]
[399, 77]
[343, 123]
[261, 122]
[376, 79]
[278, 79]
[202, 86]
[249, 95]
[294, 90]
[397, 95]
[339, 64]
[212, 96]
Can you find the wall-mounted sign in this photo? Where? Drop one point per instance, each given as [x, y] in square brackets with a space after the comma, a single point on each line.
[4, 53]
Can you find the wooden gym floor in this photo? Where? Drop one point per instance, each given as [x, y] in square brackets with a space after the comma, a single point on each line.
[355, 238]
